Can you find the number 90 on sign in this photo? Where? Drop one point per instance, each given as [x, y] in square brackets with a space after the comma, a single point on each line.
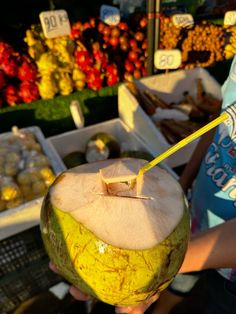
[55, 23]
[167, 59]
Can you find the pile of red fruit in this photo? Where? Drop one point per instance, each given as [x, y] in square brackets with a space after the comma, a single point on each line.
[96, 66]
[113, 53]
[18, 77]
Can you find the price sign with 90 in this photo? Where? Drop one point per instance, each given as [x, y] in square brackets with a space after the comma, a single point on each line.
[55, 23]
[230, 18]
[109, 14]
[167, 59]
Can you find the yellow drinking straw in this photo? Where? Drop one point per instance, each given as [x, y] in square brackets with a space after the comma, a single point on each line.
[183, 142]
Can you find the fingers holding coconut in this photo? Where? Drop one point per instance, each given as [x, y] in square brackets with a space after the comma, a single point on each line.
[78, 295]
[139, 308]
[53, 268]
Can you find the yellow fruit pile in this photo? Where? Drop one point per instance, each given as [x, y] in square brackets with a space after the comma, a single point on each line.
[230, 47]
[55, 62]
[25, 171]
[201, 45]
[170, 35]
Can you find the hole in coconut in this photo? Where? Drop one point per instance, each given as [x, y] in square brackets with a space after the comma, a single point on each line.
[122, 180]
[126, 188]
[118, 184]
[114, 188]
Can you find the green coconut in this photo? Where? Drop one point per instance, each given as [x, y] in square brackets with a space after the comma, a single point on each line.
[74, 159]
[102, 146]
[114, 236]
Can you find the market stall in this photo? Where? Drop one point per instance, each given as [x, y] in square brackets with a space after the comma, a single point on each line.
[78, 86]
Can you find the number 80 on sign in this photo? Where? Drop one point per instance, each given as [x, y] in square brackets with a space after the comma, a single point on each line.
[167, 59]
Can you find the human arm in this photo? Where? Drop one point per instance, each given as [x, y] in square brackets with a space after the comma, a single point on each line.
[212, 249]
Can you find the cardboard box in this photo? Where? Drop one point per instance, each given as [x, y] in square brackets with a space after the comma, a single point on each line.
[169, 87]
[25, 216]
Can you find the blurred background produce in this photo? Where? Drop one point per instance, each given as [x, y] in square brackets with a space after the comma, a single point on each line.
[96, 55]
[25, 170]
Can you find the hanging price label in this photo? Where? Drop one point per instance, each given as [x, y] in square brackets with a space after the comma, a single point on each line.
[110, 15]
[183, 20]
[55, 23]
[167, 59]
[230, 18]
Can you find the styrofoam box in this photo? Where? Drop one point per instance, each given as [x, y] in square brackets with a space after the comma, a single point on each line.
[25, 216]
[169, 87]
[68, 142]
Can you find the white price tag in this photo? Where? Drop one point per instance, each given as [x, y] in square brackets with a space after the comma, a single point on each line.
[55, 23]
[167, 59]
[110, 15]
[230, 18]
[183, 20]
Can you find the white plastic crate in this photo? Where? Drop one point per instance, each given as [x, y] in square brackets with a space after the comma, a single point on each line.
[169, 87]
[25, 216]
[68, 142]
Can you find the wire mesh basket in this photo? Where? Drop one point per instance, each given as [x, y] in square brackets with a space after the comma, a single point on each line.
[24, 269]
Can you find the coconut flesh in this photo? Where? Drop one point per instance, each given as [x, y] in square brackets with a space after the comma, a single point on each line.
[115, 236]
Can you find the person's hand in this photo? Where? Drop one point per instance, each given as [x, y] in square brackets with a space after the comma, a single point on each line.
[139, 308]
[78, 295]
[133, 309]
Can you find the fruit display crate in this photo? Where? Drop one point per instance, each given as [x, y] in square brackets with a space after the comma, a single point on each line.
[169, 87]
[26, 216]
[76, 140]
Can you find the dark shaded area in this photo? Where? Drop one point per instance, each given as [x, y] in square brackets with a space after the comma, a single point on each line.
[101, 109]
[24, 269]
[54, 117]
[220, 71]
[48, 304]
[195, 302]
[17, 16]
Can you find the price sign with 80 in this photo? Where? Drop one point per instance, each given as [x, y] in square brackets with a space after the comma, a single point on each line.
[55, 23]
[167, 59]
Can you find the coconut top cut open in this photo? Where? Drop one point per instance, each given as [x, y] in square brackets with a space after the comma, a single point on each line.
[120, 208]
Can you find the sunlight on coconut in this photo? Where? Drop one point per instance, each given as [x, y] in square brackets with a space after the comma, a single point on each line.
[116, 236]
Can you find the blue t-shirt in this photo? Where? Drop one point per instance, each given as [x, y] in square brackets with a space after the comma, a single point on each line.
[214, 192]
